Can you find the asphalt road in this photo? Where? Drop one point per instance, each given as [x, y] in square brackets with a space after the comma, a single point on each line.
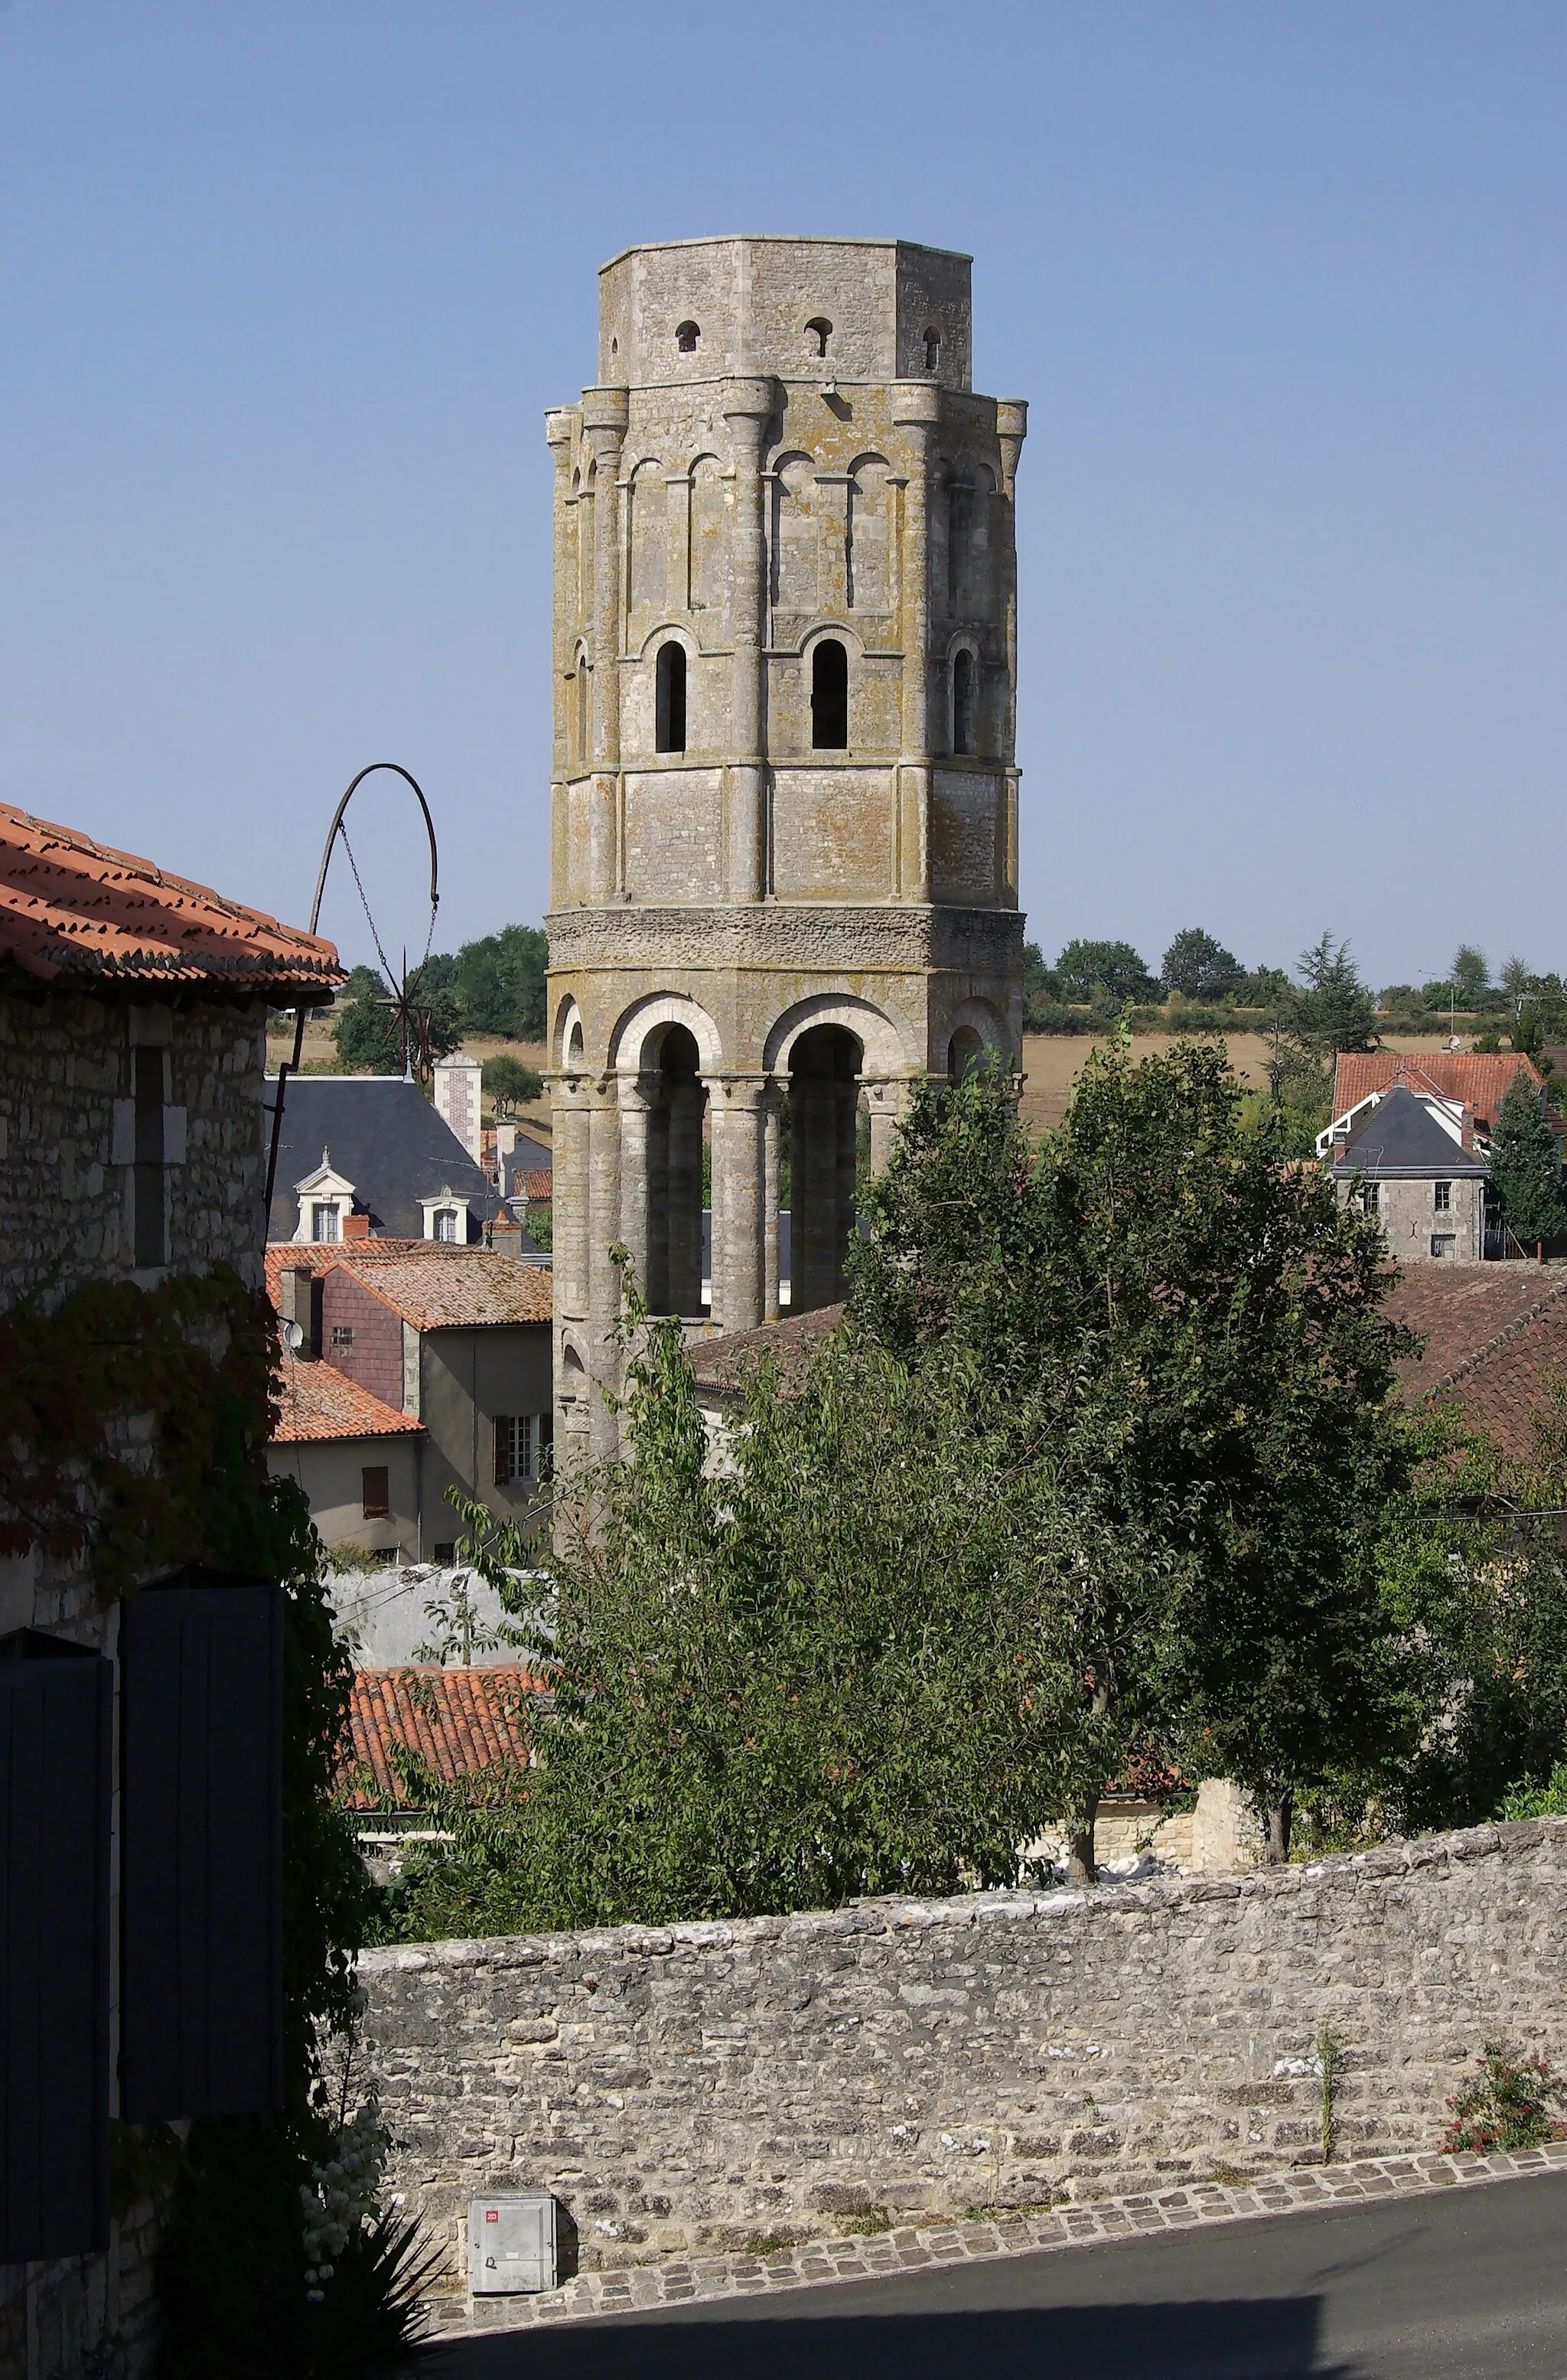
[1463, 2285]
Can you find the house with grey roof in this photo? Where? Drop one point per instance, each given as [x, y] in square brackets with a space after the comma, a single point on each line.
[1413, 1162]
[367, 1155]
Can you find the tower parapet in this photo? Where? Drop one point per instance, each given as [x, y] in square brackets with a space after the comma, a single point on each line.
[784, 802]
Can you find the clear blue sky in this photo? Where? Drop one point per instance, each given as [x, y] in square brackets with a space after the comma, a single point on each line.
[286, 288]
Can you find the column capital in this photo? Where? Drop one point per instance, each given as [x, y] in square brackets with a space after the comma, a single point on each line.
[749, 400]
[606, 410]
[916, 405]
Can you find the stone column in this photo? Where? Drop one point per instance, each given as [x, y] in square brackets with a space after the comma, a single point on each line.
[1011, 425]
[739, 1256]
[604, 416]
[638, 1187]
[557, 431]
[603, 1283]
[772, 1134]
[749, 406]
[915, 411]
[569, 1107]
[888, 1103]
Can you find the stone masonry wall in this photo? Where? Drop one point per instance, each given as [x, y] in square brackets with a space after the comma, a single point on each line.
[699, 2084]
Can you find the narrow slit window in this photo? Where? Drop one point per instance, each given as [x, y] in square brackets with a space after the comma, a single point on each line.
[932, 350]
[963, 701]
[584, 713]
[152, 1238]
[672, 698]
[830, 696]
[819, 331]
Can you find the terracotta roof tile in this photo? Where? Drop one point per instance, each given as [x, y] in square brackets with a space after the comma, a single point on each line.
[319, 1402]
[539, 1185]
[1496, 1338]
[1481, 1081]
[428, 1282]
[719, 1363]
[460, 1721]
[70, 906]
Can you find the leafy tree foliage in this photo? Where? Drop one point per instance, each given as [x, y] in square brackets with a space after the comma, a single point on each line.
[1471, 976]
[508, 1085]
[1525, 1178]
[501, 983]
[1200, 968]
[1333, 1008]
[1104, 971]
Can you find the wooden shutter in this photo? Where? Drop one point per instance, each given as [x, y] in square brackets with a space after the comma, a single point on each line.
[201, 1935]
[56, 1705]
[503, 1448]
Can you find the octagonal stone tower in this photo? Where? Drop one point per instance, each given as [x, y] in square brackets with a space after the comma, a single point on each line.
[784, 865]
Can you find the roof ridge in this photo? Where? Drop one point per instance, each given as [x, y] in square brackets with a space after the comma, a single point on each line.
[1499, 1338]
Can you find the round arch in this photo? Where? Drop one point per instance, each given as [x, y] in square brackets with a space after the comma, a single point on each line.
[886, 1046]
[974, 1028]
[569, 1040]
[634, 1042]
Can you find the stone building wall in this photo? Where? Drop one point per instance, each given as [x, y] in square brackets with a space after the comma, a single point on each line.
[697, 2085]
[67, 1209]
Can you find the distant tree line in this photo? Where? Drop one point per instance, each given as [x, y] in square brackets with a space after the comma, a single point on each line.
[492, 986]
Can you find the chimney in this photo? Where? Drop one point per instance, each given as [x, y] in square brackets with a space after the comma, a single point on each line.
[356, 1227]
[456, 1100]
[298, 1306]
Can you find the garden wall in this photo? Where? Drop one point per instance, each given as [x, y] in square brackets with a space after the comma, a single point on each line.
[700, 2084]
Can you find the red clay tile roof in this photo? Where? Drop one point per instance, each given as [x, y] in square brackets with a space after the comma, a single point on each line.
[459, 1721]
[453, 1288]
[539, 1185]
[319, 1402]
[70, 906]
[718, 1364]
[1496, 1338]
[1480, 1082]
[431, 1283]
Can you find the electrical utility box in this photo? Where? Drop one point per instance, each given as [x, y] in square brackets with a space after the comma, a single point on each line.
[511, 2244]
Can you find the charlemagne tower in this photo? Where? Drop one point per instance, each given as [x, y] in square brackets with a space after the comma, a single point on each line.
[783, 863]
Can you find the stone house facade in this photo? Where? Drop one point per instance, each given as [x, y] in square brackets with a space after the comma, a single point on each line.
[1415, 1165]
[132, 1029]
[783, 862]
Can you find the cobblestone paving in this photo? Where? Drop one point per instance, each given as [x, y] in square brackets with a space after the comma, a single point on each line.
[684, 2280]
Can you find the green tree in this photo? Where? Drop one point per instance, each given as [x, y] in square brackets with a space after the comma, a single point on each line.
[1471, 976]
[1518, 981]
[1333, 1009]
[1526, 1160]
[1200, 968]
[1106, 971]
[501, 981]
[1221, 1320]
[508, 1085]
[366, 1035]
[1041, 988]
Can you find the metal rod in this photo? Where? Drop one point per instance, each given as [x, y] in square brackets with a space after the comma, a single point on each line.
[287, 1066]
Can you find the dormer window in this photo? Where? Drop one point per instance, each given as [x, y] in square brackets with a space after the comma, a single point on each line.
[819, 330]
[446, 1223]
[446, 1216]
[686, 336]
[932, 350]
[327, 1205]
[326, 1219]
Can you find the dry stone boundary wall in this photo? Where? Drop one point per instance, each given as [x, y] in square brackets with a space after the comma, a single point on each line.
[697, 2086]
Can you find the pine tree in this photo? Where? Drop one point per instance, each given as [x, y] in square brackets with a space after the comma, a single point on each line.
[1526, 1166]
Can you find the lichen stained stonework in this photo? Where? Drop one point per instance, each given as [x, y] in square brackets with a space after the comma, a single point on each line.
[784, 860]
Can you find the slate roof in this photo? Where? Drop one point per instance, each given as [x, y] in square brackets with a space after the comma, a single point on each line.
[321, 1403]
[1401, 1137]
[1496, 1338]
[460, 1721]
[1479, 1082]
[386, 1138]
[718, 1364]
[73, 907]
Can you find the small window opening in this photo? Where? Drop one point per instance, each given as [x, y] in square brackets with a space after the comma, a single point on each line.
[514, 1448]
[1443, 1244]
[685, 337]
[932, 350]
[584, 713]
[151, 1240]
[445, 1552]
[671, 692]
[820, 330]
[1442, 1197]
[376, 1490]
[963, 701]
[830, 696]
[342, 1337]
[326, 1221]
[1373, 1194]
[614, 347]
[446, 1223]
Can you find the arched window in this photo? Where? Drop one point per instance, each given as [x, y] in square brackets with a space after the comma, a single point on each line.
[819, 330]
[830, 696]
[932, 349]
[687, 334]
[963, 701]
[671, 734]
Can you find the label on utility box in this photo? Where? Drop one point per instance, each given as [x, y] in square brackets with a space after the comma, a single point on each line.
[511, 2244]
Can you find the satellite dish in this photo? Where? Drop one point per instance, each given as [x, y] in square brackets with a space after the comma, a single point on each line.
[293, 1337]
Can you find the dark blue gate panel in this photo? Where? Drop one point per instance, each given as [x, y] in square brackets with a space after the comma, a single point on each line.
[56, 1702]
[200, 1877]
